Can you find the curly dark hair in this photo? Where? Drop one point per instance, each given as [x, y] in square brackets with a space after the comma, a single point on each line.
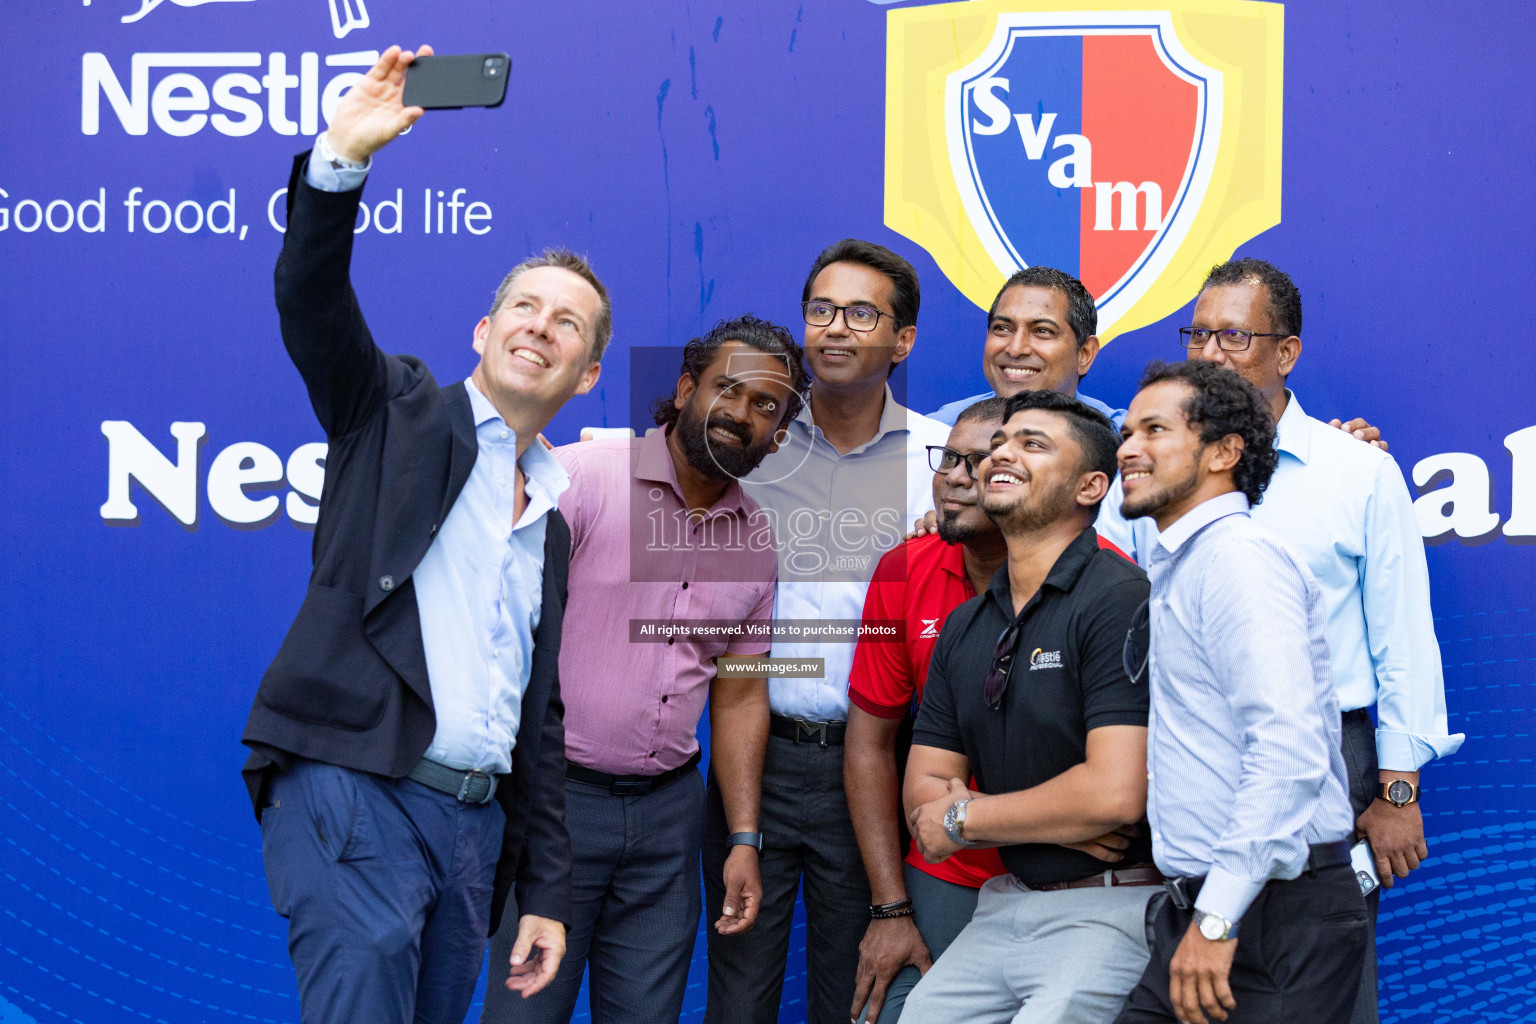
[1094, 432]
[1224, 403]
[1082, 314]
[1284, 296]
[763, 335]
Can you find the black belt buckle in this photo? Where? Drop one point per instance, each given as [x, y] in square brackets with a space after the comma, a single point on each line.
[631, 787]
[811, 730]
[1178, 892]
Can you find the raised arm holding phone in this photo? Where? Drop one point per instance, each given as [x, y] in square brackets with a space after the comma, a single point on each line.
[407, 741]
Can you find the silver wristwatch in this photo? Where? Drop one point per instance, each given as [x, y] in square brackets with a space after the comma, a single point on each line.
[1214, 927]
[954, 823]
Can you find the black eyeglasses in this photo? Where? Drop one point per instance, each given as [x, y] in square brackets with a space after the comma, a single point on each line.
[1137, 649]
[1002, 665]
[1230, 340]
[858, 318]
[942, 459]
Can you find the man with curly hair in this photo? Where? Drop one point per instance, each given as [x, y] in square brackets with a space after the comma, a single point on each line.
[1248, 797]
[1345, 509]
[662, 530]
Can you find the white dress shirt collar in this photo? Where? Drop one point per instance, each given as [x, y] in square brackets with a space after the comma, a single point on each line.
[546, 478]
[1199, 517]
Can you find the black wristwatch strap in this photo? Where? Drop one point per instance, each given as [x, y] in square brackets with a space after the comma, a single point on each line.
[752, 839]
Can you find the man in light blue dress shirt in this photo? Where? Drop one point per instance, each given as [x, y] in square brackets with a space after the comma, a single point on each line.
[1247, 795]
[407, 761]
[1041, 336]
[1344, 507]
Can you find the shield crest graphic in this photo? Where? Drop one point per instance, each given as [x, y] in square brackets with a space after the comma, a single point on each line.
[1102, 142]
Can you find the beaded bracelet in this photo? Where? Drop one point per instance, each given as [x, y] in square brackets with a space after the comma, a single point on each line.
[887, 915]
[876, 910]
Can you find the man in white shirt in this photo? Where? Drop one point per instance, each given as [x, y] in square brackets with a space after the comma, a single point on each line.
[851, 471]
[1344, 507]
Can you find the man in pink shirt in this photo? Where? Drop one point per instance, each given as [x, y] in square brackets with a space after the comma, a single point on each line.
[663, 536]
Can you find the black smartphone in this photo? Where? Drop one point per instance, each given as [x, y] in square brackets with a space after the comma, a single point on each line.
[460, 80]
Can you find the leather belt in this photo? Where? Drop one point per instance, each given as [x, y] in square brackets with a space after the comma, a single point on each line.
[466, 787]
[1184, 891]
[802, 731]
[628, 785]
[1141, 874]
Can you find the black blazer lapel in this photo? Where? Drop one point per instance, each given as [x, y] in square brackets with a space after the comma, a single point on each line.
[408, 524]
[464, 447]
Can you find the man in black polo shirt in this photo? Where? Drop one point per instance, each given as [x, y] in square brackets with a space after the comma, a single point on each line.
[1027, 692]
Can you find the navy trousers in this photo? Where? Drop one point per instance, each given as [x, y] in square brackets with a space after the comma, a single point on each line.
[634, 910]
[386, 886]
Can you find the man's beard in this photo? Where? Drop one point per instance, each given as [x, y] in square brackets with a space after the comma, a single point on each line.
[952, 531]
[717, 461]
[1161, 498]
[1036, 513]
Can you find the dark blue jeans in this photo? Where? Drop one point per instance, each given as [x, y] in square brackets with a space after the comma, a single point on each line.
[386, 886]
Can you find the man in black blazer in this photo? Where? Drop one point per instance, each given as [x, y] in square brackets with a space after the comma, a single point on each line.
[408, 754]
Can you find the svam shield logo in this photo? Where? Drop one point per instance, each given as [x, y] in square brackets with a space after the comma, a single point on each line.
[1132, 147]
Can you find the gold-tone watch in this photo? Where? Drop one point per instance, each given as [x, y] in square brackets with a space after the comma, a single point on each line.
[1399, 793]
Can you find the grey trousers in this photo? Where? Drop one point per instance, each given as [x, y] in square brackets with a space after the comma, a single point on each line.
[1067, 957]
[941, 910]
[1359, 742]
[807, 838]
[634, 907]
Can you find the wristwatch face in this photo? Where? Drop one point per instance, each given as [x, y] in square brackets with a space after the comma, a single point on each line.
[1213, 927]
[1400, 792]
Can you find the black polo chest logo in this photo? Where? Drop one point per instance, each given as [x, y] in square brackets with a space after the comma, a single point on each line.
[1040, 660]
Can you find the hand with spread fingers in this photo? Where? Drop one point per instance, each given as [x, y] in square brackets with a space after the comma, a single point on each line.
[372, 114]
[929, 523]
[1361, 431]
[889, 945]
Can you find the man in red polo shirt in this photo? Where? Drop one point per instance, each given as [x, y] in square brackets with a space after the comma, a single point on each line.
[918, 908]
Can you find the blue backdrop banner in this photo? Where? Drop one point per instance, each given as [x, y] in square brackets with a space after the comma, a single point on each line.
[161, 466]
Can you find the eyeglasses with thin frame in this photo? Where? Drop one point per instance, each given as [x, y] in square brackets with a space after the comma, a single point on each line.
[1137, 649]
[942, 459]
[1232, 339]
[858, 318]
[1002, 664]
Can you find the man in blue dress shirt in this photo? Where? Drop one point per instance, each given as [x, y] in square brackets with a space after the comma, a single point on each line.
[1247, 794]
[1344, 507]
[407, 745]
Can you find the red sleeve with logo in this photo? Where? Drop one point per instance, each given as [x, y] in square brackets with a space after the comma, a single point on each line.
[881, 680]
